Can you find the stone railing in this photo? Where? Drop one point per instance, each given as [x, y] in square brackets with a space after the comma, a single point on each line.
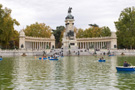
[38, 38]
[92, 38]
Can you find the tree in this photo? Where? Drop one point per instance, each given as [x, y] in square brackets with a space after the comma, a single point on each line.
[105, 31]
[126, 28]
[94, 31]
[15, 40]
[38, 30]
[80, 33]
[58, 33]
[6, 26]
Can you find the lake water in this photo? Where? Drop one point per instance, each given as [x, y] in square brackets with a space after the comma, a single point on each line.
[68, 73]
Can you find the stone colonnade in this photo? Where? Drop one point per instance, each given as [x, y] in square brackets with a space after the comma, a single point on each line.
[98, 42]
[35, 43]
[41, 45]
[95, 45]
[38, 45]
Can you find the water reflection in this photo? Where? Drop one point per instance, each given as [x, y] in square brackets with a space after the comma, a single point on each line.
[126, 80]
[73, 72]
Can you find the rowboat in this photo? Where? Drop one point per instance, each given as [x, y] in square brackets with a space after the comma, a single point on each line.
[0, 58]
[42, 58]
[129, 68]
[101, 60]
[53, 59]
[111, 55]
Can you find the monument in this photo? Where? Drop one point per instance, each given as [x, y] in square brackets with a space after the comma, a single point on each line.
[69, 36]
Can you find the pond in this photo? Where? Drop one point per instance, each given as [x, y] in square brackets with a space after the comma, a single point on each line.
[68, 73]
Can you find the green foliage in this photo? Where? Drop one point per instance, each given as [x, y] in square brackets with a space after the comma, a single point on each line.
[93, 31]
[58, 33]
[38, 30]
[126, 28]
[105, 31]
[6, 26]
[15, 40]
[80, 33]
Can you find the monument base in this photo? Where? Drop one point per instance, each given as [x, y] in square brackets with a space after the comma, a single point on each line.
[70, 45]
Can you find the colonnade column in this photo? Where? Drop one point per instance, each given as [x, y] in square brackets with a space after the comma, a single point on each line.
[34, 45]
[43, 45]
[85, 45]
[101, 45]
[80, 45]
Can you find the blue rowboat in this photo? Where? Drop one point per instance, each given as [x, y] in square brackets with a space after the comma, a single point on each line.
[110, 55]
[53, 59]
[50, 57]
[0, 58]
[40, 58]
[129, 68]
[101, 60]
[43, 58]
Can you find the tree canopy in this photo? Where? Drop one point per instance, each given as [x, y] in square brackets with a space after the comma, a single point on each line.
[7, 24]
[58, 33]
[94, 31]
[126, 28]
[80, 33]
[38, 30]
[105, 31]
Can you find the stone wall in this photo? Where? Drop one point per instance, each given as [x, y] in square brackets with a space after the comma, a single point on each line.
[73, 52]
[21, 52]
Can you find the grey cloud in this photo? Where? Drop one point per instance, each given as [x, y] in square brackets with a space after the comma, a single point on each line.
[53, 13]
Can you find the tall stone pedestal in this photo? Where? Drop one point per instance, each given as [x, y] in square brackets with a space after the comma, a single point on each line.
[69, 38]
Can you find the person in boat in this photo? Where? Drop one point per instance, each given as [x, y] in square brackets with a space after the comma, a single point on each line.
[102, 58]
[126, 64]
[51, 56]
[55, 57]
[44, 56]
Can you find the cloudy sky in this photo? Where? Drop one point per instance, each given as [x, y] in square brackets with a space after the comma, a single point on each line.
[53, 12]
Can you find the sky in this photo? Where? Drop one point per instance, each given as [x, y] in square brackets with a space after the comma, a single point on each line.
[53, 12]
